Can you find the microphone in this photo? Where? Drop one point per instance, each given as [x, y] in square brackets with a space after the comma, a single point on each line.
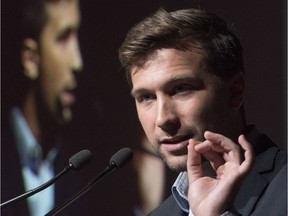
[76, 162]
[118, 160]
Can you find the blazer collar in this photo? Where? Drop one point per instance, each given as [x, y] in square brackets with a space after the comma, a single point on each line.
[255, 182]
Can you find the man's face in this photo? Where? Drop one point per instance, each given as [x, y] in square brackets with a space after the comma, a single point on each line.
[177, 100]
[59, 58]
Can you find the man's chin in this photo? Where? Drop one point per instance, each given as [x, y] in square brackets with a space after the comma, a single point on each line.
[65, 118]
[177, 164]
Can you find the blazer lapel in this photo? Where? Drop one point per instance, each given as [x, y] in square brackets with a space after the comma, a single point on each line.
[249, 193]
[258, 179]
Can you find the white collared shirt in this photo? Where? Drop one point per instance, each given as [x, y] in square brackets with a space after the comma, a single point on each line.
[180, 191]
[35, 170]
[180, 194]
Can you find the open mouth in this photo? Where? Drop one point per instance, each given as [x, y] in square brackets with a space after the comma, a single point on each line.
[68, 98]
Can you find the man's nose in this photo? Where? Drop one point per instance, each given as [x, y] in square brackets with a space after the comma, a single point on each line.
[167, 118]
[76, 58]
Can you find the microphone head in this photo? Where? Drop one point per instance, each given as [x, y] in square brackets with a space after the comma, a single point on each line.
[120, 158]
[80, 159]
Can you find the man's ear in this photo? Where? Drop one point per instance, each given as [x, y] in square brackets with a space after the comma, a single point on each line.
[237, 89]
[30, 58]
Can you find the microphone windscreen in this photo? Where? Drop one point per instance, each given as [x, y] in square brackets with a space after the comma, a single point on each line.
[121, 157]
[80, 159]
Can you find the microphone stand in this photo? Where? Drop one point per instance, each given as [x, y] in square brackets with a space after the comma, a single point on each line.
[88, 187]
[36, 190]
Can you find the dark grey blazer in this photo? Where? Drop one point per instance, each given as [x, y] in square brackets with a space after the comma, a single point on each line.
[264, 191]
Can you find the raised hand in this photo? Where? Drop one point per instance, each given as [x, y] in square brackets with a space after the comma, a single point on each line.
[231, 162]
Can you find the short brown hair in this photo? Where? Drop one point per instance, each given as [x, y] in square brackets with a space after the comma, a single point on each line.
[183, 30]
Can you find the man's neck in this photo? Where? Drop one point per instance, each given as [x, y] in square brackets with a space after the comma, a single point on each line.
[30, 113]
[45, 132]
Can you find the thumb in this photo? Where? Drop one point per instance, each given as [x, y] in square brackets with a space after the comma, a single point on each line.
[194, 166]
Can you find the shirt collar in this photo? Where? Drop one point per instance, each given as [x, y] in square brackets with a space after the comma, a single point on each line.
[29, 149]
[180, 191]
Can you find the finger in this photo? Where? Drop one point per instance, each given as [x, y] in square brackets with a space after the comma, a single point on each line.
[220, 143]
[206, 150]
[194, 167]
[248, 154]
[214, 158]
[223, 143]
[212, 145]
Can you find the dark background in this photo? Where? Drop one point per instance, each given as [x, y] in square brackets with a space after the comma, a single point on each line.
[105, 117]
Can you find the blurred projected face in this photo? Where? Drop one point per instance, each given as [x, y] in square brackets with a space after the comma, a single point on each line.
[59, 58]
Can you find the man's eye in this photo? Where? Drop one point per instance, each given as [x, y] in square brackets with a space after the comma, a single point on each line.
[65, 35]
[180, 89]
[145, 98]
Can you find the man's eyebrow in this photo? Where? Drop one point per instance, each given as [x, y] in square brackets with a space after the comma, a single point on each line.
[69, 27]
[135, 92]
[174, 80]
[177, 79]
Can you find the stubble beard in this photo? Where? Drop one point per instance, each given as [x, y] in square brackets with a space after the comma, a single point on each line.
[179, 167]
[64, 113]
